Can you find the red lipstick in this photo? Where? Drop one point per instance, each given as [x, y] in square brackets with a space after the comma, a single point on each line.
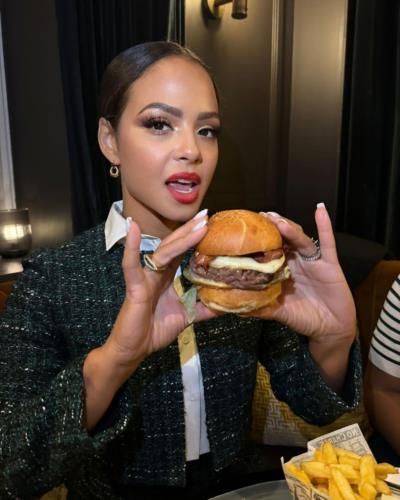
[186, 176]
[184, 186]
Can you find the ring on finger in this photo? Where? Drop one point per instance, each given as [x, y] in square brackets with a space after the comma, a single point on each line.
[149, 262]
[316, 255]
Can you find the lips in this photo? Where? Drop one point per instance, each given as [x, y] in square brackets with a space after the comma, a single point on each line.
[184, 186]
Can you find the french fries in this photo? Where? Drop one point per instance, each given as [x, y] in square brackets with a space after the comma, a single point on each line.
[298, 473]
[342, 474]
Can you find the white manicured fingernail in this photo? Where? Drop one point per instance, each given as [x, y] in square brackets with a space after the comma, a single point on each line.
[201, 214]
[321, 205]
[283, 220]
[273, 214]
[201, 224]
[128, 223]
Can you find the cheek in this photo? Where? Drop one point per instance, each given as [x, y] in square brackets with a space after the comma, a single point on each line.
[211, 157]
[140, 156]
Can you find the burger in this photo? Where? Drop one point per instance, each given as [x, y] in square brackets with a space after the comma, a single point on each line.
[240, 264]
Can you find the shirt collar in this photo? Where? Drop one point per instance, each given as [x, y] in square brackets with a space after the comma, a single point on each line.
[115, 230]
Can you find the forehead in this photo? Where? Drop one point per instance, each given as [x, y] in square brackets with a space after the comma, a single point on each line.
[174, 80]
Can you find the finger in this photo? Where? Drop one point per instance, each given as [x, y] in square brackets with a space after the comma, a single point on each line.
[186, 228]
[301, 242]
[131, 265]
[278, 219]
[169, 251]
[268, 312]
[203, 313]
[293, 233]
[325, 233]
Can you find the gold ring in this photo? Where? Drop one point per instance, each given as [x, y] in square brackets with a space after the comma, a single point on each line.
[149, 262]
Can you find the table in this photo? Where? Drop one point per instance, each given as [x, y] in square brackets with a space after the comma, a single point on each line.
[10, 269]
[271, 490]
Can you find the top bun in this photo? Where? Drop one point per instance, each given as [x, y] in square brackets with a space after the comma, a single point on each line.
[239, 232]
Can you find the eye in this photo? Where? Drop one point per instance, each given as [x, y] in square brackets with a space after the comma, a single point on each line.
[159, 125]
[210, 132]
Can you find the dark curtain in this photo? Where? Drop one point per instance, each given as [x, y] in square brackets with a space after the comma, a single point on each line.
[369, 191]
[91, 33]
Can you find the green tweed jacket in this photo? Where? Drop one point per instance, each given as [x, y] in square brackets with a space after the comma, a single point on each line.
[63, 306]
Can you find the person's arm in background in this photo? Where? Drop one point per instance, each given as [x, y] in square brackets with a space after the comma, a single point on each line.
[382, 378]
[382, 400]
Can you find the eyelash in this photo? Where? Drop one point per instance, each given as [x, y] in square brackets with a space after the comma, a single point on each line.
[214, 132]
[154, 121]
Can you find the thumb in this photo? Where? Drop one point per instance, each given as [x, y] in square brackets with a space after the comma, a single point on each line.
[132, 268]
[325, 233]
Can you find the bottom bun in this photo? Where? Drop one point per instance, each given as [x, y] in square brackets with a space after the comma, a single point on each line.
[238, 301]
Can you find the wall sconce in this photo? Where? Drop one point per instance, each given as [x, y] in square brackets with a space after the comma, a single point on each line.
[214, 9]
[15, 232]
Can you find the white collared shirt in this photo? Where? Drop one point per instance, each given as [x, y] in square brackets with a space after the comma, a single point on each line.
[193, 390]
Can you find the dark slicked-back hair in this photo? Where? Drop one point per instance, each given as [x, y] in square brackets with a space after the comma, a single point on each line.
[130, 65]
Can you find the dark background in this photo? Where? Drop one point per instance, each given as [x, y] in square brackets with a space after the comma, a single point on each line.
[309, 98]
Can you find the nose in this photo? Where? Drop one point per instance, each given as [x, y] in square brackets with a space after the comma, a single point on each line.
[187, 147]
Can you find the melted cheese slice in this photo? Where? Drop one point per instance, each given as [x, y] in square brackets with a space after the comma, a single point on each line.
[248, 263]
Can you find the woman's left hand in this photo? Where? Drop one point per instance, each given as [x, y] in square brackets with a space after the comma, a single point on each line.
[316, 301]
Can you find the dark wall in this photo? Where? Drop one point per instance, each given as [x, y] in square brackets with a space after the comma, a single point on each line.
[239, 54]
[280, 73]
[37, 119]
[316, 101]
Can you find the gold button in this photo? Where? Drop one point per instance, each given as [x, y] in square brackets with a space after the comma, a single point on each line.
[186, 339]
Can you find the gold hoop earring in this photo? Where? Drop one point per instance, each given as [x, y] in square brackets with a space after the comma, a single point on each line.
[114, 171]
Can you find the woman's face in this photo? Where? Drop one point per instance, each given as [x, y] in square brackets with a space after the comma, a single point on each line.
[166, 144]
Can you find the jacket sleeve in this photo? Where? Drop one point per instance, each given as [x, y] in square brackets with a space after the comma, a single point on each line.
[42, 393]
[296, 379]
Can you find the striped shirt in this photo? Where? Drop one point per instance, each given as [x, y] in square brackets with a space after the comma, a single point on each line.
[385, 346]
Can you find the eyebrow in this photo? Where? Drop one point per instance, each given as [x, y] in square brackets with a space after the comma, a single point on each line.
[205, 115]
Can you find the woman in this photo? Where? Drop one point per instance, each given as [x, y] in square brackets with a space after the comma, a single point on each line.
[382, 380]
[104, 397]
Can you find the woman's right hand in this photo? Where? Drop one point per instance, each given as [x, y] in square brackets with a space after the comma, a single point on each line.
[151, 316]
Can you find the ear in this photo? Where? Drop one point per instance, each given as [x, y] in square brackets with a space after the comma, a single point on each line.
[107, 141]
